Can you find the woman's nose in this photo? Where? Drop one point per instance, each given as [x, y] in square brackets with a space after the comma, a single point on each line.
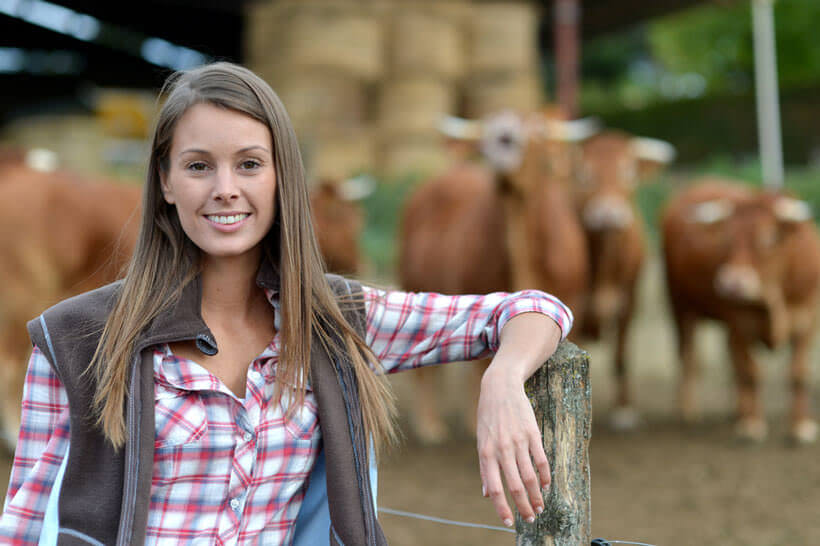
[226, 188]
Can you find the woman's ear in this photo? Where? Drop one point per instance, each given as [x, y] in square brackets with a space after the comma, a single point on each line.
[167, 193]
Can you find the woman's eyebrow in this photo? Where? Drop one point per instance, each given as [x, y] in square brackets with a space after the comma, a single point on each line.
[253, 147]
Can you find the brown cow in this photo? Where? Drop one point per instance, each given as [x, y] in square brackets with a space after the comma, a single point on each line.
[750, 259]
[338, 221]
[612, 165]
[511, 226]
[59, 235]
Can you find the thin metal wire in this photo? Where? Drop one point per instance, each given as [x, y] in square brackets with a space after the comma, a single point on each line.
[476, 525]
[442, 520]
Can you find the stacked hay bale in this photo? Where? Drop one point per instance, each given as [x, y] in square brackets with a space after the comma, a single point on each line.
[323, 57]
[503, 58]
[425, 64]
[366, 81]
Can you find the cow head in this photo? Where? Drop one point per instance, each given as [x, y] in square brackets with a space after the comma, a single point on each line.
[612, 166]
[522, 149]
[338, 220]
[754, 234]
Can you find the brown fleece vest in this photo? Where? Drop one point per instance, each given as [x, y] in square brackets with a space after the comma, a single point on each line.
[105, 492]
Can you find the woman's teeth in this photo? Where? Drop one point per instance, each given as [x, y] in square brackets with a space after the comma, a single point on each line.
[234, 218]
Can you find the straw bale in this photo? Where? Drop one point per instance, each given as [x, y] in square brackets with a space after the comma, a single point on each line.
[414, 105]
[426, 43]
[413, 155]
[503, 37]
[320, 98]
[338, 154]
[328, 35]
[486, 95]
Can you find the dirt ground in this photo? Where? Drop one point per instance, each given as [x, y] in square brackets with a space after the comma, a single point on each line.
[663, 484]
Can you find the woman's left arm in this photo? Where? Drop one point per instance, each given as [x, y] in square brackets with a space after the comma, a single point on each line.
[509, 440]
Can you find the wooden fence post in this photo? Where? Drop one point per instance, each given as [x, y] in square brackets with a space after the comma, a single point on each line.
[560, 396]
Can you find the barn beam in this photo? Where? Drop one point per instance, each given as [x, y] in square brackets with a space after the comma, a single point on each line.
[567, 19]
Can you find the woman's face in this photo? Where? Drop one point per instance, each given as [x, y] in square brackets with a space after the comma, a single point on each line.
[221, 179]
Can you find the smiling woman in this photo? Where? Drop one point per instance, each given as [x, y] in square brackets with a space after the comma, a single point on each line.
[227, 390]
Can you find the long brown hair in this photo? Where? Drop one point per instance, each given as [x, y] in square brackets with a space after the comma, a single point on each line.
[165, 260]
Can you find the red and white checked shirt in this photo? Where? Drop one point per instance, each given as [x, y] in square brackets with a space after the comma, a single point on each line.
[231, 470]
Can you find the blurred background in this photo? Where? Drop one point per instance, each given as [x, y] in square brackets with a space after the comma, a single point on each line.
[366, 83]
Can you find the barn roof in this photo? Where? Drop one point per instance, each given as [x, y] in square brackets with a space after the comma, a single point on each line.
[61, 61]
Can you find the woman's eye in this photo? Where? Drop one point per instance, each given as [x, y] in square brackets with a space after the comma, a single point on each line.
[197, 166]
[250, 164]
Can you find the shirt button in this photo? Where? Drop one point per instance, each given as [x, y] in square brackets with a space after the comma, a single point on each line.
[234, 503]
[248, 436]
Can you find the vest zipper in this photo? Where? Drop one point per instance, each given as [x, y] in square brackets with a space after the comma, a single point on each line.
[131, 459]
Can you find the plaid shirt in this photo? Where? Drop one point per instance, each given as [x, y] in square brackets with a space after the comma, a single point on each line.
[229, 470]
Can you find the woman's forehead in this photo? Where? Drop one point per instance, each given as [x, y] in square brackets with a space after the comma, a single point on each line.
[208, 127]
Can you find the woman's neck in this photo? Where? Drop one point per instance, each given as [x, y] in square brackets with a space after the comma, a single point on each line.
[229, 288]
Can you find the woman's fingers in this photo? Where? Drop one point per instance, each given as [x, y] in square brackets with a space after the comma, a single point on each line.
[492, 487]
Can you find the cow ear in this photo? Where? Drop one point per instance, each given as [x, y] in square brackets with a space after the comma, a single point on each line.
[711, 212]
[790, 210]
[652, 155]
[356, 188]
[460, 128]
[576, 130]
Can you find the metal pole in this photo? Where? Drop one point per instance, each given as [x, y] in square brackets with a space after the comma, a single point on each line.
[768, 102]
[567, 53]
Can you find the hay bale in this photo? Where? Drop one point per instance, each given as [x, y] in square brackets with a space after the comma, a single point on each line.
[489, 94]
[414, 105]
[503, 37]
[320, 98]
[329, 35]
[412, 155]
[338, 154]
[425, 43]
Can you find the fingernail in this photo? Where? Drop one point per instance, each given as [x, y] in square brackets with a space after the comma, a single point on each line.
[539, 509]
[508, 522]
[483, 491]
[531, 519]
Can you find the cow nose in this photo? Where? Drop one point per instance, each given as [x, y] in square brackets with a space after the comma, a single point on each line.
[739, 282]
[607, 212]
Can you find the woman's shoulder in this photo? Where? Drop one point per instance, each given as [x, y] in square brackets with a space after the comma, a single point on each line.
[81, 312]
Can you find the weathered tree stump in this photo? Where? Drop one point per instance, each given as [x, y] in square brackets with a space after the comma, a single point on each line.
[560, 395]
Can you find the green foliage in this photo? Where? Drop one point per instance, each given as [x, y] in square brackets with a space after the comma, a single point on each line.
[383, 214]
[716, 41]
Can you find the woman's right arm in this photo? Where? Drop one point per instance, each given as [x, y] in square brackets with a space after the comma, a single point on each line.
[41, 446]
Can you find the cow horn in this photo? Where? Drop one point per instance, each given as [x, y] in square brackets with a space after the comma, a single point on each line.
[652, 149]
[356, 188]
[571, 131]
[711, 212]
[41, 159]
[460, 128]
[788, 209]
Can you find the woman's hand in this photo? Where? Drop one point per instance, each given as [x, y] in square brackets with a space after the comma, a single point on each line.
[509, 440]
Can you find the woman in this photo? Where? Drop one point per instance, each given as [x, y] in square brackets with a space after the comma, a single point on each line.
[227, 391]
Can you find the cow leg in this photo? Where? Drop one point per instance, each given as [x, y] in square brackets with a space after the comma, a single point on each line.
[803, 427]
[624, 416]
[750, 423]
[685, 325]
[477, 372]
[428, 424]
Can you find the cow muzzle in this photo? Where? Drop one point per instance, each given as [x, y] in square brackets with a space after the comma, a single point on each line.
[739, 282]
[608, 212]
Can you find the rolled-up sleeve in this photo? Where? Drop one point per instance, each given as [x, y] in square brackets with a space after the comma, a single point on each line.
[408, 330]
[41, 446]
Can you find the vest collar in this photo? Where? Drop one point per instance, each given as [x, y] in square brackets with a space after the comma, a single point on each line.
[183, 320]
